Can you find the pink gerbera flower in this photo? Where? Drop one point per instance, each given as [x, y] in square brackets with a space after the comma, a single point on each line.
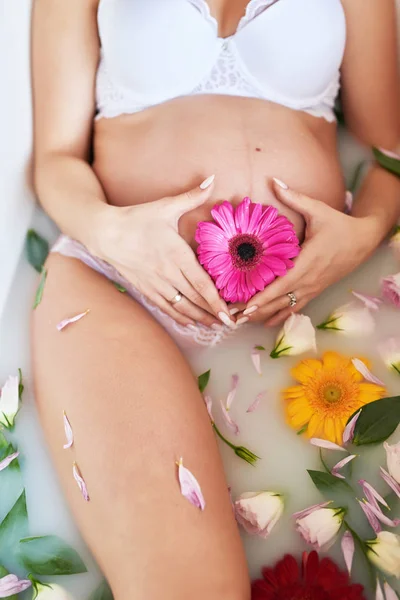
[246, 248]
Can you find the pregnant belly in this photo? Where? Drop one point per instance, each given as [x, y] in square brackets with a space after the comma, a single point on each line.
[172, 148]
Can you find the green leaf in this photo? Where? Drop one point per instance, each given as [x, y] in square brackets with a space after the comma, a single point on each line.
[377, 421]
[387, 162]
[14, 526]
[259, 347]
[203, 380]
[49, 555]
[21, 384]
[103, 592]
[37, 249]
[119, 287]
[302, 430]
[326, 482]
[6, 448]
[3, 573]
[39, 292]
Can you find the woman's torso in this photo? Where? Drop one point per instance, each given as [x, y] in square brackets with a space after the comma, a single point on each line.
[174, 144]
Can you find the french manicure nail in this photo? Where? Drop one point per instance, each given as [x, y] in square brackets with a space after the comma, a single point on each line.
[226, 320]
[192, 327]
[251, 310]
[242, 320]
[216, 327]
[207, 182]
[280, 183]
[233, 311]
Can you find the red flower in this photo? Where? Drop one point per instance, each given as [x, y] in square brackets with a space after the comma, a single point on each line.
[317, 579]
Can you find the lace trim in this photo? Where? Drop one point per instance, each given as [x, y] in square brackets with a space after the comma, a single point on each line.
[253, 9]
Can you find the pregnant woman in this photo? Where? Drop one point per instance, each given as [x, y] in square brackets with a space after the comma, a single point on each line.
[147, 114]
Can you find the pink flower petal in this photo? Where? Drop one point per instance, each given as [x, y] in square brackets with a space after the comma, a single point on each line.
[348, 433]
[8, 460]
[391, 482]
[348, 202]
[326, 445]
[341, 464]
[391, 289]
[80, 481]
[256, 403]
[379, 592]
[308, 511]
[389, 592]
[372, 520]
[371, 302]
[389, 153]
[371, 494]
[69, 434]
[190, 487]
[10, 585]
[365, 372]
[382, 517]
[234, 427]
[208, 403]
[232, 392]
[348, 549]
[256, 360]
[67, 322]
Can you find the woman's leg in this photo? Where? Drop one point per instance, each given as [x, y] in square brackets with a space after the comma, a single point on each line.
[135, 409]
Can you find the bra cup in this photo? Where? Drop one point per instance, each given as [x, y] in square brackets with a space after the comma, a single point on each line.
[156, 49]
[294, 48]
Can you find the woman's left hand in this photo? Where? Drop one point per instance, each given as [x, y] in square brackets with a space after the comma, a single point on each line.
[335, 244]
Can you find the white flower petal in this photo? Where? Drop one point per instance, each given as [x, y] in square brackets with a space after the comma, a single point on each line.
[256, 360]
[80, 481]
[348, 549]
[69, 434]
[8, 460]
[232, 391]
[371, 302]
[190, 487]
[296, 337]
[9, 401]
[232, 425]
[326, 444]
[348, 433]
[365, 372]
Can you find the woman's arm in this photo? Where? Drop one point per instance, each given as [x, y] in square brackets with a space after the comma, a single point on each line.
[371, 102]
[336, 243]
[65, 56]
[141, 241]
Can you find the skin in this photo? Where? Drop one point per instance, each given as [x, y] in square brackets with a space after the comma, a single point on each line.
[118, 375]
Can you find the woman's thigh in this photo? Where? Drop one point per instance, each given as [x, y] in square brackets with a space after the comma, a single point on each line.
[135, 410]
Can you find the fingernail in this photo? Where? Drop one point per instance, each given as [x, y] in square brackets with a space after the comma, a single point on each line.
[281, 184]
[192, 327]
[242, 320]
[226, 320]
[216, 327]
[233, 311]
[207, 182]
[251, 310]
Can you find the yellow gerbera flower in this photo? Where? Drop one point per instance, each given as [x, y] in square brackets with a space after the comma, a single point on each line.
[330, 391]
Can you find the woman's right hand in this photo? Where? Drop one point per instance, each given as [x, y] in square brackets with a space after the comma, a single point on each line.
[142, 242]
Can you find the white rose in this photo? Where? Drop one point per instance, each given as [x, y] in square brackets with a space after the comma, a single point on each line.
[258, 512]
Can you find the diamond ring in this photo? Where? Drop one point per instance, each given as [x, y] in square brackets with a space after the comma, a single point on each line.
[292, 299]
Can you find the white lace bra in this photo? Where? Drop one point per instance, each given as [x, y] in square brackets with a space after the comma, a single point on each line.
[285, 51]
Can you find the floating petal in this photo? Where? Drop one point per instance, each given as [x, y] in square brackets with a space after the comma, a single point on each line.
[9, 401]
[371, 302]
[348, 433]
[69, 434]
[63, 324]
[253, 407]
[10, 585]
[348, 549]
[372, 520]
[392, 483]
[256, 360]
[8, 460]
[232, 392]
[327, 445]
[80, 481]
[372, 495]
[229, 421]
[365, 372]
[190, 487]
[341, 464]
[208, 403]
[390, 594]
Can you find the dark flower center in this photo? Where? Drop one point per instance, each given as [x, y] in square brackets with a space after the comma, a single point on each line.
[246, 251]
